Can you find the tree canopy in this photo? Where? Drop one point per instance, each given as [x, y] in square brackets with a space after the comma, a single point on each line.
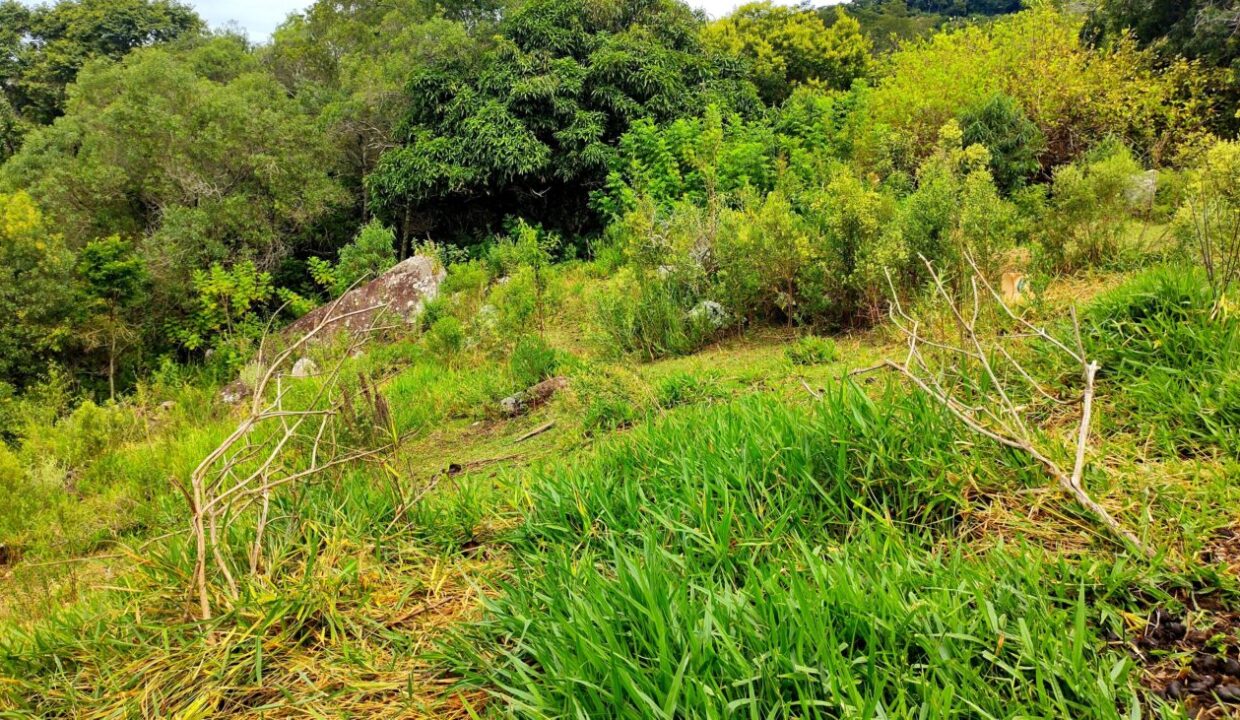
[42, 48]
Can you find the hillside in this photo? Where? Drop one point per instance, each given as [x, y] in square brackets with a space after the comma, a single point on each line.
[597, 359]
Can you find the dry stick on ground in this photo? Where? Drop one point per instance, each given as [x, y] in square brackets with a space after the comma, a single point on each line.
[993, 413]
[217, 494]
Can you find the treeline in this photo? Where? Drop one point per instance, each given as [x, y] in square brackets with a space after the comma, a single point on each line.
[166, 188]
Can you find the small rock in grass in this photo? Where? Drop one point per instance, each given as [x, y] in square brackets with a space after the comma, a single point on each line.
[1175, 690]
[710, 313]
[305, 367]
[1228, 693]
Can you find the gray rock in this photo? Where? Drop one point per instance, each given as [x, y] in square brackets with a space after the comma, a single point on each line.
[235, 392]
[305, 367]
[532, 397]
[709, 312]
[401, 291]
[1141, 190]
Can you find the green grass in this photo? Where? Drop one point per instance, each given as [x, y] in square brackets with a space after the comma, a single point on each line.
[765, 560]
[1176, 368]
[699, 536]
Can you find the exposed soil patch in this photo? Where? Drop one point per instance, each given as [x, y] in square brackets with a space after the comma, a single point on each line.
[1223, 549]
[1194, 659]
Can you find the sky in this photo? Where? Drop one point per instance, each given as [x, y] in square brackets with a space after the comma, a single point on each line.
[259, 17]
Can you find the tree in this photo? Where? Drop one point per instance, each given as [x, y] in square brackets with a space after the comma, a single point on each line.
[43, 48]
[350, 64]
[1076, 96]
[1014, 141]
[786, 47]
[115, 282]
[527, 128]
[1201, 30]
[196, 154]
[36, 290]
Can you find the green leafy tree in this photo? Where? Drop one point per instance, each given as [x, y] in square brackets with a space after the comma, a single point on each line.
[1014, 141]
[887, 23]
[1077, 96]
[350, 63]
[198, 155]
[786, 47]
[43, 48]
[37, 295]
[1199, 30]
[956, 211]
[528, 127]
[115, 282]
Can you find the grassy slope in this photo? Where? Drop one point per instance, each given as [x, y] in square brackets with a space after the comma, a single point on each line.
[745, 547]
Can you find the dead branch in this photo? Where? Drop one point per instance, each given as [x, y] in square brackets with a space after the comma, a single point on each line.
[245, 469]
[535, 432]
[964, 379]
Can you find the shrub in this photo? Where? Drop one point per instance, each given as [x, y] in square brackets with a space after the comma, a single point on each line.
[1090, 205]
[1208, 222]
[649, 317]
[532, 361]
[446, 338]
[811, 350]
[371, 253]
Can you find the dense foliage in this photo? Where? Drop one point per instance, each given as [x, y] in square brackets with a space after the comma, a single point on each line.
[633, 457]
[43, 48]
[772, 165]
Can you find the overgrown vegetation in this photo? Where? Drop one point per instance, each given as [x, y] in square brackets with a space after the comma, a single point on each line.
[630, 458]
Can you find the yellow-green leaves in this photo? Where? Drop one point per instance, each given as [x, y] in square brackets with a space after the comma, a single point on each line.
[787, 47]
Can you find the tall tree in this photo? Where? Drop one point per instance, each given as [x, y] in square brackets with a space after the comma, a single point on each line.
[43, 48]
[791, 46]
[1204, 30]
[529, 124]
[197, 154]
[36, 290]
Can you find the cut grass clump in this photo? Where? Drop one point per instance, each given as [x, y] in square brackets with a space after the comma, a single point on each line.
[1171, 367]
[682, 388]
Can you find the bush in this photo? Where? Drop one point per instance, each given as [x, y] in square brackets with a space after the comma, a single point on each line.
[811, 350]
[1208, 222]
[371, 253]
[532, 361]
[1091, 209]
[446, 338]
[649, 317]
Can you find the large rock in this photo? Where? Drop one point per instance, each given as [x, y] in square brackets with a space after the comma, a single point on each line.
[401, 291]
